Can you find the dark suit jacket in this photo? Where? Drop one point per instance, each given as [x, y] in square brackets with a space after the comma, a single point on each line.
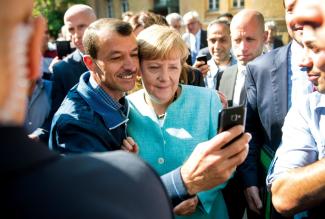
[203, 43]
[38, 183]
[267, 105]
[277, 42]
[66, 74]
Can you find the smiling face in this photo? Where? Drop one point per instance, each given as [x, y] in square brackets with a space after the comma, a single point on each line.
[117, 63]
[312, 59]
[294, 29]
[219, 43]
[160, 77]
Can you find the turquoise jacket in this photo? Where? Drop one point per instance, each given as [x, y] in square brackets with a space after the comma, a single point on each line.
[192, 118]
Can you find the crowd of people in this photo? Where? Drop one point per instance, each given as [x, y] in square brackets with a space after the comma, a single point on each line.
[126, 126]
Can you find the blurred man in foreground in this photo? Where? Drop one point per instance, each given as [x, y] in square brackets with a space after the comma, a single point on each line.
[38, 183]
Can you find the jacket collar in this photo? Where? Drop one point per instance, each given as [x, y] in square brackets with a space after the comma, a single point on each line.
[113, 117]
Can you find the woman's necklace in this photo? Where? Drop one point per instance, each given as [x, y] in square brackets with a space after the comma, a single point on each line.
[162, 116]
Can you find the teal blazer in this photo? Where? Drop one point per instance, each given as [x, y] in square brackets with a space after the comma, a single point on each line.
[192, 118]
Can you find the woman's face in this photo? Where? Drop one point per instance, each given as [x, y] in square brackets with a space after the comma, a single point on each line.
[161, 77]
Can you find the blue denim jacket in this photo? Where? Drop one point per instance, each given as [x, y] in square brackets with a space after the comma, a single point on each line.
[87, 121]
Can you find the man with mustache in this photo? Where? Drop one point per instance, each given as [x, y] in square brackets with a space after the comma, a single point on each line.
[94, 114]
[297, 176]
[38, 183]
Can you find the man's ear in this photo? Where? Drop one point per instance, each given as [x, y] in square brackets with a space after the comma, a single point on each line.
[265, 36]
[35, 44]
[88, 62]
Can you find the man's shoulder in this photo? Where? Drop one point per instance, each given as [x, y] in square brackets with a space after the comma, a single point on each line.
[69, 63]
[63, 173]
[231, 70]
[74, 107]
[269, 58]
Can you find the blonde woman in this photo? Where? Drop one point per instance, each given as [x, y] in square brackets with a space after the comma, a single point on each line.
[167, 119]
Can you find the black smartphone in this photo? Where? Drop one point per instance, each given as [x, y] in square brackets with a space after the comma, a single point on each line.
[63, 48]
[230, 117]
[202, 58]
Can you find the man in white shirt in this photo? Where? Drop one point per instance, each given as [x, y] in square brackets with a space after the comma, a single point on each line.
[195, 37]
[219, 44]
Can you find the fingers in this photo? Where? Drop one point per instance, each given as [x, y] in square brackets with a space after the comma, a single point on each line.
[223, 99]
[130, 145]
[186, 207]
[253, 199]
[202, 66]
[218, 141]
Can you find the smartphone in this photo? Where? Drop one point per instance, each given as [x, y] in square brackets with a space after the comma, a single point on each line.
[202, 58]
[230, 117]
[63, 48]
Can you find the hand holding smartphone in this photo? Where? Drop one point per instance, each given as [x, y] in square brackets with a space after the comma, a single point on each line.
[202, 58]
[229, 117]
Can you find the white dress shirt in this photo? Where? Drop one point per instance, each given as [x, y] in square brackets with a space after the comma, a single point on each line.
[240, 83]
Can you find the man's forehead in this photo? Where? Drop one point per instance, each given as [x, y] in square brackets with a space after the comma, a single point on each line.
[124, 42]
[218, 34]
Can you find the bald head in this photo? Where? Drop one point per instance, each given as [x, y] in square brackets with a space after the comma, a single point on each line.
[248, 17]
[80, 9]
[77, 18]
[247, 35]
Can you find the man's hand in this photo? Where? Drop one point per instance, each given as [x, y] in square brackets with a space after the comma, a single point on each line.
[130, 145]
[253, 199]
[210, 165]
[223, 99]
[186, 207]
[34, 137]
[202, 66]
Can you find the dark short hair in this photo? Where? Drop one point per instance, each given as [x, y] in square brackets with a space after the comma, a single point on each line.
[90, 38]
[227, 14]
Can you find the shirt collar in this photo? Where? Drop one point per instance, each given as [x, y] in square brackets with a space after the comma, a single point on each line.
[112, 112]
[115, 104]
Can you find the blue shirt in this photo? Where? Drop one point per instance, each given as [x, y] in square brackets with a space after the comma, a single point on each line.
[39, 106]
[303, 140]
[298, 83]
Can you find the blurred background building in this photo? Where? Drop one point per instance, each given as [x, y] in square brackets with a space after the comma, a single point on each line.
[208, 9]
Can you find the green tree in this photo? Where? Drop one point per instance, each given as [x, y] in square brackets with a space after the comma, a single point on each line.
[53, 11]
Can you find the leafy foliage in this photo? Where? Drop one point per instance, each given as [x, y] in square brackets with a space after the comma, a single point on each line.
[53, 11]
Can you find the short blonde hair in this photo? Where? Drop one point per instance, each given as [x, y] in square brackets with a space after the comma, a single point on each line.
[160, 42]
